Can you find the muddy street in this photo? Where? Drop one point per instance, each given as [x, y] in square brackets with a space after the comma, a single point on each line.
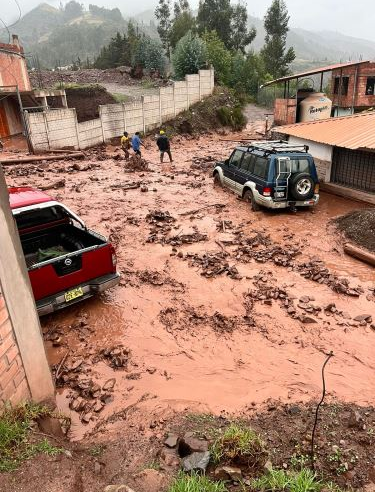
[219, 308]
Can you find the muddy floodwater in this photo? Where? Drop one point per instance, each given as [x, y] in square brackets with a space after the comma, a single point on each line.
[221, 339]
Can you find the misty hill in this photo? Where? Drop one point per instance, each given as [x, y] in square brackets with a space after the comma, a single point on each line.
[60, 36]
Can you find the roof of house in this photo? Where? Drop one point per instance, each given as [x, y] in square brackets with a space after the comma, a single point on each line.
[26, 196]
[314, 71]
[352, 132]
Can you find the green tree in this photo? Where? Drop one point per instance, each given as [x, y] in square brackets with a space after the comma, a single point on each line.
[247, 73]
[229, 22]
[241, 37]
[180, 6]
[163, 15]
[275, 55]
[182, 24]
[149, 55]
[189, 56]
[216, 15]
[218, 56]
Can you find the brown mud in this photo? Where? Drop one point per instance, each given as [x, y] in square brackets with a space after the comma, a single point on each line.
[219, 308]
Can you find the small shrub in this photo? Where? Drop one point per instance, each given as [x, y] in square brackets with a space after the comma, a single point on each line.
[239, 445]
[232, 117]
[280, 480]
[15, 428]
[196, 483]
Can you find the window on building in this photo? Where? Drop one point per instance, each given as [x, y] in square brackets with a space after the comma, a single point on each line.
[344, 86]
[370, 86]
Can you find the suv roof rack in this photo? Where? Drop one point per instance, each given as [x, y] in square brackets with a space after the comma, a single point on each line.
[272, 146]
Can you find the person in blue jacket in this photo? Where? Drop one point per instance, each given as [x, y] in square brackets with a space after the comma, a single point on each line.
[136, 144]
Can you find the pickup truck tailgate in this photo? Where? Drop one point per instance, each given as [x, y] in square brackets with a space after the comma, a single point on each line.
[61, 275]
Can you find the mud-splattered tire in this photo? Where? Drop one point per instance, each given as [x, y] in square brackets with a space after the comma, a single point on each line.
[249, 197]
[217, 181]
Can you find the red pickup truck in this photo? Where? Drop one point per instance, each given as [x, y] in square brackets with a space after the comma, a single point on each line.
[66, 261]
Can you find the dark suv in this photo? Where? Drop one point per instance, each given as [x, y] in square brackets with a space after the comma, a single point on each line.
[274, 174]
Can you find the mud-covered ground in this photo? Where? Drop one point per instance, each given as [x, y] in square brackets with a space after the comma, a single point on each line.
[219, 309]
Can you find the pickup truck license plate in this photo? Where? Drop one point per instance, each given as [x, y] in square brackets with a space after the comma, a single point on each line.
[73, 294]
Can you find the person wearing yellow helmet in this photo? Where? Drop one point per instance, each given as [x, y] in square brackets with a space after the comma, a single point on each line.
[164, 146]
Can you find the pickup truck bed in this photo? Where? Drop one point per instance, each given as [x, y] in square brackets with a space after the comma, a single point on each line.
[66, 261]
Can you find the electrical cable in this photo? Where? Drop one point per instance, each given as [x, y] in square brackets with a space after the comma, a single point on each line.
[317, 411]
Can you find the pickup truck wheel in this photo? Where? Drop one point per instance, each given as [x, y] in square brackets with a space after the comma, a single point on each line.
[302, 186]
[217, 181]
[249, 197]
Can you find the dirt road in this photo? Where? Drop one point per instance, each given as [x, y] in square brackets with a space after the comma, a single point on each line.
[254, 329]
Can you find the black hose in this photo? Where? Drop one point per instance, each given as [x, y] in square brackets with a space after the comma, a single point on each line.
[317, 411]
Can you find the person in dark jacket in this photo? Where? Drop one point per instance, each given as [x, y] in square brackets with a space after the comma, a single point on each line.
[164, 146]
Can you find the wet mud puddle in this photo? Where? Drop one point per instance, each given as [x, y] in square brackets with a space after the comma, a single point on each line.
[218, 306]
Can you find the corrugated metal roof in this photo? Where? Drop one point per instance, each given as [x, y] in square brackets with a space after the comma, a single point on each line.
[314, 71]
[351, 132]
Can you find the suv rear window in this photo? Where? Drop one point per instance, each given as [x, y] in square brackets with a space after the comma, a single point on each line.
[261, 167]
[301, 165]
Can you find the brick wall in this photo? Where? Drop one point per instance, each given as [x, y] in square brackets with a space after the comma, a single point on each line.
[284, 111]
[13, 383]
[360, 99]
[13, 69]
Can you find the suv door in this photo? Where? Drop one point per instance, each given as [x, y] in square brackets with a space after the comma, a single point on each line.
[231, 168]
[243, 172]
[260, 173]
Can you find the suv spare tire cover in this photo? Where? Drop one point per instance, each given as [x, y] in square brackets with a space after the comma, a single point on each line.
[301, 186]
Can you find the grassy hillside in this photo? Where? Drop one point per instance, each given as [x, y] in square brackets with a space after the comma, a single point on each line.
[59, 37]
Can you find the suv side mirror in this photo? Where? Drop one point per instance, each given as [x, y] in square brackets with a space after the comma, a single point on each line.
[226, 162]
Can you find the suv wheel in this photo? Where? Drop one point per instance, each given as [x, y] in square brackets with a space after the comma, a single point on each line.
[217, 181]
[302, 186]
[249, 197]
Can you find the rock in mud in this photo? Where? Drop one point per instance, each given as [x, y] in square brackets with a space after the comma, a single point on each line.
[169, 459]
[150, 480]
[190, 444]
[196, 462]
[109, 385]
[228, 473]
[364, 317]
[171, 441]
[355, 420]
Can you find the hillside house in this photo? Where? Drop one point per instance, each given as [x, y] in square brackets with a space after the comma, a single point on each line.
[344, 152]
[16, 93]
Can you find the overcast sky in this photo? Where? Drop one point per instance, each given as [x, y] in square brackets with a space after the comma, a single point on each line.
[354, 18]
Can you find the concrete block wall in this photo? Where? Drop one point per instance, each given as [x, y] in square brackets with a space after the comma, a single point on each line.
[13, 383]
[54, 129]
[152, 112]
[167, 103]
[90, 133]
[58, 128]
[193, 88]
[112, 118]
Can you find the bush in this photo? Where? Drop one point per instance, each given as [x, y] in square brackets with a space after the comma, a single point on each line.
[189, 56]
[149, 55]
[196, 483]
[232, 117]
[239, 445]
[218, 56]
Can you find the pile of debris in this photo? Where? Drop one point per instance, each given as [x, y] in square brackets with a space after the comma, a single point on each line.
[136, 163]
[116, 357]
[158, 216]
[205, 163]
[160, 225]
[316, 270]
[86, 397]
[213, 264]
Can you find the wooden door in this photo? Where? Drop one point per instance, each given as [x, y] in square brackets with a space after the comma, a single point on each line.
[4, 128]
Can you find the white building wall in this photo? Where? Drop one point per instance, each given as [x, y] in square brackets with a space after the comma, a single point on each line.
[322, 154]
